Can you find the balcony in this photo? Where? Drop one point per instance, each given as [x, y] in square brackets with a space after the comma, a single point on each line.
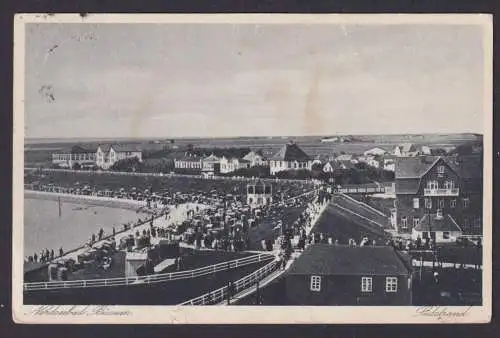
[441, 192]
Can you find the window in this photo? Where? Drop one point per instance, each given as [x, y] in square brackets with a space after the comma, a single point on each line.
[415, 221]
[432, 184]
[415, 203]
[446, 235]
[404, 222]
[439, 213]
[441, 204]
[428, 203]
[466, 202]
[366, 284]
[466, 222]
[315, 283]
[391, 284]
[453, 203]
[449, 185]
[441, 169]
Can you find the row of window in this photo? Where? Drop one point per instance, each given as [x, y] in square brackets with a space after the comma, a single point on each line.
[435, 185]
[188, 165]
[293, 165]
[391, 284]
[74, 157]
[428, 203]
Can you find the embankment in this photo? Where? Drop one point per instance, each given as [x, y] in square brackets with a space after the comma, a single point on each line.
[87, 200]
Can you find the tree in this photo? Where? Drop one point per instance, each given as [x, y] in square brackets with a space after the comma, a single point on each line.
[438, 152]
[128, 165]
[77, 166]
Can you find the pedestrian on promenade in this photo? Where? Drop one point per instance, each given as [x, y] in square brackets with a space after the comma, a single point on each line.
[52, 254]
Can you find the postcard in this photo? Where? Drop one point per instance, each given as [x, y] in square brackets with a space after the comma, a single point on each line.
[264, 168]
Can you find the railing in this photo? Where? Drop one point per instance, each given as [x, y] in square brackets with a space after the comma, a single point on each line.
[219, 295]
[150, 279]
[441, 192]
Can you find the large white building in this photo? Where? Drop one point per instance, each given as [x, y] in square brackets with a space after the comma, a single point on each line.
[107, 155]
[290, 157]
[104, 156]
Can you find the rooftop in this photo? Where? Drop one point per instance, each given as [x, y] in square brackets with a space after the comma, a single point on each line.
[290, 152]
[432, 223]
[328, 259]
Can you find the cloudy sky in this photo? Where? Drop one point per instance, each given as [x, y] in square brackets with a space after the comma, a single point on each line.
[176, 80]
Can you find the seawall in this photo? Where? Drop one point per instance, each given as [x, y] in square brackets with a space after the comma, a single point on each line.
[87, 200]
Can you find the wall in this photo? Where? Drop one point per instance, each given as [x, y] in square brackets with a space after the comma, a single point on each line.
[345, 290]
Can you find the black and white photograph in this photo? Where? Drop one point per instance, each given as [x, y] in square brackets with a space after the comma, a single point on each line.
[296, 168]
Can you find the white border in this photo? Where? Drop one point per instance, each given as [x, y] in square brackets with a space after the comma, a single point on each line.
[250, 314]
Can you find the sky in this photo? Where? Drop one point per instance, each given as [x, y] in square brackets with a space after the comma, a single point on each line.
[223, 80]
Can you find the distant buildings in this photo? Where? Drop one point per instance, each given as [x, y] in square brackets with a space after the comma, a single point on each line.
[107, 155]
[290, 157]
[405, 150]
[188, 162]
[327, 274]
[377, 151]
[439, 197]
[82, 157]
[255, 159]
[104, 156]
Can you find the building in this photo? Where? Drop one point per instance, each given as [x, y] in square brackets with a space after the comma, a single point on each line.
[425, 150]
[389, 164]
[438, 186]
[444, 229]
[228, 165]
[255, 159]
[327, 274]
[188, 163]
[107, 155]
[375, 152]
[259, 194]
[330, 167]
[77, 157]
[211, 164]
[405, 150]
[290, 157]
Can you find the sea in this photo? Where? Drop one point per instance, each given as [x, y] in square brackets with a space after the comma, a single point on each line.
[44, 228]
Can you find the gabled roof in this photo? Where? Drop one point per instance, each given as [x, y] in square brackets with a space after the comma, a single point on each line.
[252, 155]
[119, 148]
[81, 150]
[432, 223]
[414, 167]
[406, 147]
[212, 157]
[328, 259]
[290, 152]
[124, 148]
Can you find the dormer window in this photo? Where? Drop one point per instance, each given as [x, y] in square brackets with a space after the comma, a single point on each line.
[432, 184]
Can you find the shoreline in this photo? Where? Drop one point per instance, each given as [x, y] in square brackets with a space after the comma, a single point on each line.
[100, 201]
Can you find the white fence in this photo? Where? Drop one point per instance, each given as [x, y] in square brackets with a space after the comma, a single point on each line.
[149, 279]
[219, 295]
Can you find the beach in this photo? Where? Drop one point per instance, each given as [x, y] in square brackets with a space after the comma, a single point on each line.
[81, 216]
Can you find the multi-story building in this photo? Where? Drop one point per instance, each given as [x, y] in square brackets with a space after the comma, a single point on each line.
[77, 156]
[107, 155]
[228, 165]
[188, 163]
[255, 159]
[290, 157]
[430, 188]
